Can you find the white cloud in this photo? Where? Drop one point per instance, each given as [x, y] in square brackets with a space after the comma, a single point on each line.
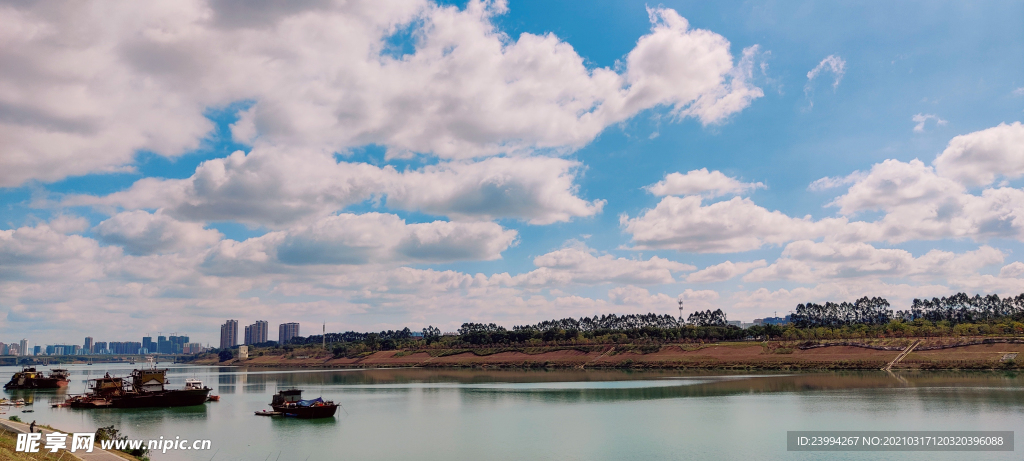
[370, 238]
[893, 183]
[832, 64]
[724, 271]
[41, 253]
[682, 223]
[577, 264]
[920, 119]
[140, 232]
[88, 86]
[701, 182]
[1014, 269]
[269, 186]
[916, 203]
[539, 190]
[661, 303]
[1019, 91]
[828, 182]
[978, 158]
[812, 262]
[278, 187]
[921, 205]
[68, 224]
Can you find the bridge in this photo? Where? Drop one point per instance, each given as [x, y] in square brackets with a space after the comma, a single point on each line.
[94, 358]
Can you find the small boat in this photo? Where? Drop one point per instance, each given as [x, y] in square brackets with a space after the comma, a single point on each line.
[29, 378]
[268, 413]
[28, 411]
[290, 403]
[213, 398]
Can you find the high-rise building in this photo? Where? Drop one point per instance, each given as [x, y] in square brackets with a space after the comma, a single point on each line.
[36, 350]
[229, 334]
[88, 345]
[12, 349]
[3, 349]
[287, 331]
[177, 344]
[23, 347]
[257, 332]
[162, 345]
[147, 344]
[101, 347]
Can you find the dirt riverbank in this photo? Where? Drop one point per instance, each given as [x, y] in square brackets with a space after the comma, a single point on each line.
[936, 353]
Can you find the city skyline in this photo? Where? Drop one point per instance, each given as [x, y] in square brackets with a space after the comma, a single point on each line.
[434, 163]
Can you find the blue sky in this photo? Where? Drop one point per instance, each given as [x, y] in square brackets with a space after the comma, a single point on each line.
[408, 163]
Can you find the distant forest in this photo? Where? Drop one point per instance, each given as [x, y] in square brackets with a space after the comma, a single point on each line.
[958, 314]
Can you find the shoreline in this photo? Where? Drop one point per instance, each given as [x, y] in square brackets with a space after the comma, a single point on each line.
[931, 354]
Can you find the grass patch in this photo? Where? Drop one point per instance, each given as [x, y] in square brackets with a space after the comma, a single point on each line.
[486, 351]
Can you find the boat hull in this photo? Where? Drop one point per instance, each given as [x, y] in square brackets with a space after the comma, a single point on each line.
[176, 398]
[36, 383]
[164, 399]
[323, 411]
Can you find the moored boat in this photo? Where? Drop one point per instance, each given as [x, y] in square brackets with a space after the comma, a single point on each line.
[29, 378]
[289, 403]
[145, 389]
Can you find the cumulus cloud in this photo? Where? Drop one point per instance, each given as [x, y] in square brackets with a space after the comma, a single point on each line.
[701, 182]
[319, 75]
[539, 190]
[920, 119]
[577, 264]
[1014, 269]
[140, 232]
[916, 202]
[978, 158]
[279, 187]
[41, 253]
[269, 186]
[370, 238]
[683, 223]
[893, 183]
[724, 271]
[810, 262]
[921, 205]
[68, 224]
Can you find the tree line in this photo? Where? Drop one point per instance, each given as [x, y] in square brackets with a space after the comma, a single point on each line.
[955, 309]
[867, 312]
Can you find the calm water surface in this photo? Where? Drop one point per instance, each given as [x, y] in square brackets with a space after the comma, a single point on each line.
[551, 415]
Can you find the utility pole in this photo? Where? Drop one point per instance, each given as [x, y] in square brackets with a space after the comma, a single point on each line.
[324, 335]
[680, 309]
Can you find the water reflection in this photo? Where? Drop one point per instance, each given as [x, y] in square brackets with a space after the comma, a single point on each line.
[143, 416]
[963, 388]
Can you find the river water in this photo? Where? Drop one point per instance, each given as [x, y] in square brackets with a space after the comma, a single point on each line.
[425, 414]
